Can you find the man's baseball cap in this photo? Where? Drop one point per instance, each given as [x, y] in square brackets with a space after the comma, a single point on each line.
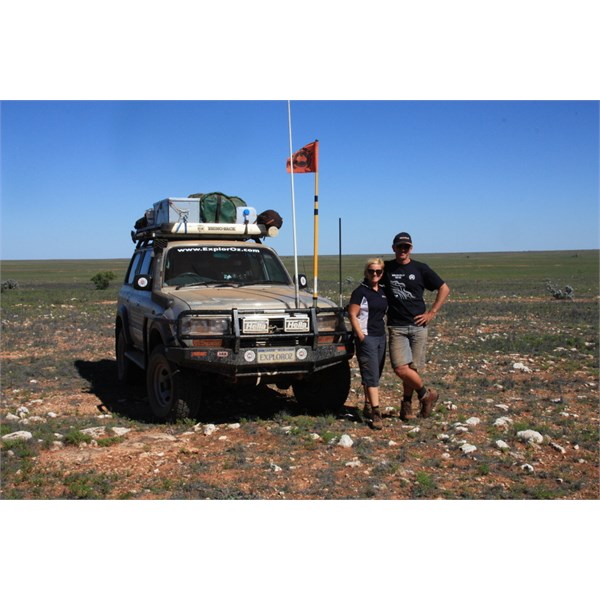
[402, 238]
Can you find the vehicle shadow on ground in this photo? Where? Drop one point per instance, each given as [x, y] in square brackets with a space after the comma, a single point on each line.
[124, 400]
[220, 403]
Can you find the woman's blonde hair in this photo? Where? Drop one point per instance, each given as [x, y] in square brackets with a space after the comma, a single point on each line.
[373, 261]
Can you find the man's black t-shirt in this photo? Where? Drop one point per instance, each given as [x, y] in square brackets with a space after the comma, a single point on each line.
[404, 286]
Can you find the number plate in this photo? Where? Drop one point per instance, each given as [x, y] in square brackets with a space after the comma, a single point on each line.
[275, 355]
[255, 326]
[297, 324]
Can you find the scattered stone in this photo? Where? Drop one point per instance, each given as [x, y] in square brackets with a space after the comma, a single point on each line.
[558, 448]
[354, 463]
[443, 436]
[518, 366]
[529, 435]
[209, 429]
[468, 448]
[502, 422]
[222, 438]
[392, 443]
[233, 426]
[345, 441]
[473, 421]
[556, 400]
[11, 417]
[94, 432]
[413, 431]
[446, 456]
[22, 411]
[34, 419]
[275, 467]
[527, 467]
[18, 435]
[502, 445]
[314, 436]
[461, 429]
[52, 415]
[503, 407]
[120, 431]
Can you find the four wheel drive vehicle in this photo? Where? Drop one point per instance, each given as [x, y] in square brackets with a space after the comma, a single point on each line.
[194, 311]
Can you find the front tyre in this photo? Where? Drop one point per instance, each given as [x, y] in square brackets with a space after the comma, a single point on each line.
[173, 392]
[326, 390]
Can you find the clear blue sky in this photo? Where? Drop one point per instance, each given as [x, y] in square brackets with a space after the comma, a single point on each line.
[460, 176]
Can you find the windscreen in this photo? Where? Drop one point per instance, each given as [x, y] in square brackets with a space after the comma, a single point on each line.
[235, 265]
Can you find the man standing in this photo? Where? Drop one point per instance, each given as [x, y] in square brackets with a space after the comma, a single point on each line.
[405, 282]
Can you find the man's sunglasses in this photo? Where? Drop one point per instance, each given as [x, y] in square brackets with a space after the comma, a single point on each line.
[403, 247]
[375, 271]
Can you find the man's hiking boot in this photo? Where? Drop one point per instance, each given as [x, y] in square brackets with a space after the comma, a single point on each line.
[377, 421]
[427, 403]
[406, 410]
[367, 412]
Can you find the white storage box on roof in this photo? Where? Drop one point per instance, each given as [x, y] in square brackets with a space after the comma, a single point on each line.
[177, 210]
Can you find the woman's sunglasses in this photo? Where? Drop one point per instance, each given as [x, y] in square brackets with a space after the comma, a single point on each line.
[375, 271]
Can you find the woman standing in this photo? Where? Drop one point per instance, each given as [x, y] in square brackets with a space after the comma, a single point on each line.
[367, 309]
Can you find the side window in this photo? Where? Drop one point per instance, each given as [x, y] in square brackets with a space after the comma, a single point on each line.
[135, 262]
[146, 266]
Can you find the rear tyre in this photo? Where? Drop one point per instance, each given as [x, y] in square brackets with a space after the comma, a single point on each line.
[174, 393]
[326, 390]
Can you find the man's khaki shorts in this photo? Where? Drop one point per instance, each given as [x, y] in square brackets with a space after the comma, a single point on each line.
[408, 345]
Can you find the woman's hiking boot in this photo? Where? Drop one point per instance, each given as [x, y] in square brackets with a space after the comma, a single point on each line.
[376, 420]
[406, 410]
[367, 412]
[427, 403]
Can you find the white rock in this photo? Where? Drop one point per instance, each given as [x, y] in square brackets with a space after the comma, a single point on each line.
[502, 422]
[502, 445]
[529, 435]
[18, 435]
[501, 406]
[22, 411]
[209, 429]
[461, 429]
[527, 467]
[473, 421]
[558, 448]
[52, 415]
[11, 417]
[413, 431]
[94, 432]
[275, 467]
[445, 456]
[518, 366]
[443, 436]
[392, 443]
[314, 436]
[120, 431]
[354, 463]
[233, 426]
[345, 441]
[468, 448]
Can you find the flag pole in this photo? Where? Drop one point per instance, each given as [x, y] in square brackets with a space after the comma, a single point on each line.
[296, 288]
[340, 254]
[316, 228]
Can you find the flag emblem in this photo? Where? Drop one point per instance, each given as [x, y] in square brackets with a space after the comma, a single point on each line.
[306, 159]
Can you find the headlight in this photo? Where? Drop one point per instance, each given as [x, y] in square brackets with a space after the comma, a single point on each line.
[327, 322]
[193, 326]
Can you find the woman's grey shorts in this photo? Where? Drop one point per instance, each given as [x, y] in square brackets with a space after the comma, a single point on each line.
[408, 344]
[371, 359]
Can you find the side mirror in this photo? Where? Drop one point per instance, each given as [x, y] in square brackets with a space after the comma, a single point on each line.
[142, 282]
[302, 281]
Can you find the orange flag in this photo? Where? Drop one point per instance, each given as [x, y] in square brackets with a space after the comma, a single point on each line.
[306, 160]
